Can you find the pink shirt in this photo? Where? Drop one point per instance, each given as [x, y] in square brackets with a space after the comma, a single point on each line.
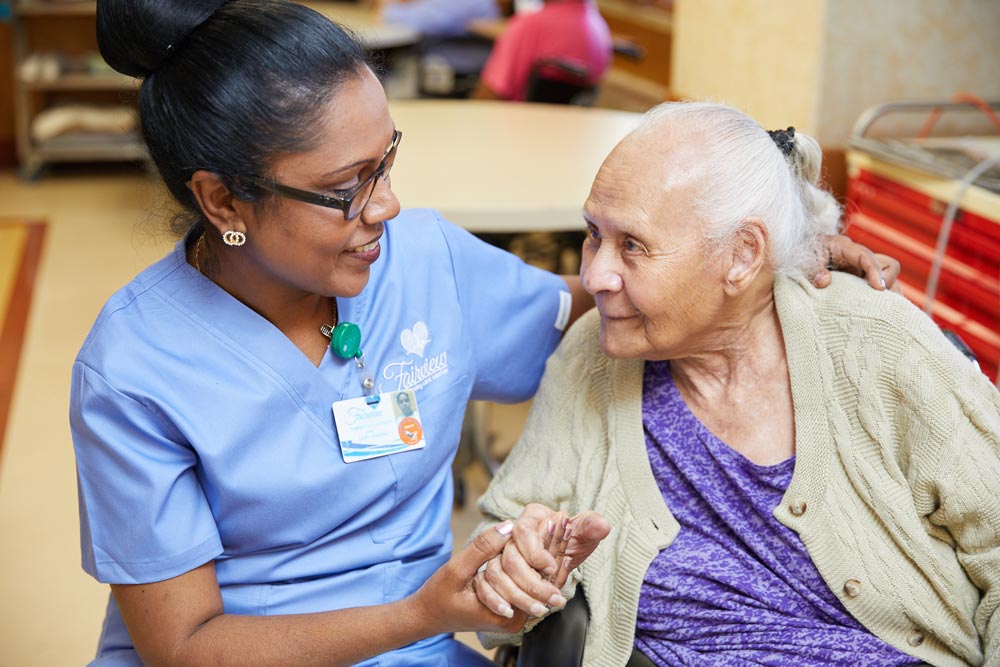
[574, 31]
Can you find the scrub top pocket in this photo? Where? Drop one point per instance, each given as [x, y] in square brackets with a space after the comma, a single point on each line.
[424, 473]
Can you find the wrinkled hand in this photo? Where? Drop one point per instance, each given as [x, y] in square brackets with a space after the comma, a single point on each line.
[546, 546]
[448, 601]
[588, 530]
[841, 253]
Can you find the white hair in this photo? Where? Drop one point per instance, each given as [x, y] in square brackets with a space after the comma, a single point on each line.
[743, 174]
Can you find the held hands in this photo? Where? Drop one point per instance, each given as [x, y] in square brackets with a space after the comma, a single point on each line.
[527, 578]
[841, 253]
[447, 601]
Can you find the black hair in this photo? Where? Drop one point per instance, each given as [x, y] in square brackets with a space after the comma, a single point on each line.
[227, 86]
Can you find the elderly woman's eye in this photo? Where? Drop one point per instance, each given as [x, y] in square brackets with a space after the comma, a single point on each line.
[631, 245]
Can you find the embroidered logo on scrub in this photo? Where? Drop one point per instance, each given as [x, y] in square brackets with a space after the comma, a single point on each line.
[415, 340]
[416, 371]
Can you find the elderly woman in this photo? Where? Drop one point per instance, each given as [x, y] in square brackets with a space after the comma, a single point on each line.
[793, 476]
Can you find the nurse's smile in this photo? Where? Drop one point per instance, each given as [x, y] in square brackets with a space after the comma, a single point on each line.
[368, 252]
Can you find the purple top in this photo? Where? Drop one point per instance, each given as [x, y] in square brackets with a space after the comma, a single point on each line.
[736, 588]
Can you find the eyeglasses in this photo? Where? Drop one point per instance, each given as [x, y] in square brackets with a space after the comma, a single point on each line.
[352, 202]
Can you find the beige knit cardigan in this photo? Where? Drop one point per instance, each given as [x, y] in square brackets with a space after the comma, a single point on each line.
[895, 492]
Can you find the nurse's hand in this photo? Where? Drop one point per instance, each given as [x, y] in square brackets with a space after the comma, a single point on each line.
[447, 602]
[533, 568]
[841, 253]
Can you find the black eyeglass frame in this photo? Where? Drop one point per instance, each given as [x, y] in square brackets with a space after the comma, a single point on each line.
[344, 203]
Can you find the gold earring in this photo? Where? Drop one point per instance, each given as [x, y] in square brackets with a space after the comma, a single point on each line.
[234, 238]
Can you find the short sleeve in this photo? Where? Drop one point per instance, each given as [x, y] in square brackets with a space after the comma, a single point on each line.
[513, 315]
[509, 65]
[143, 514]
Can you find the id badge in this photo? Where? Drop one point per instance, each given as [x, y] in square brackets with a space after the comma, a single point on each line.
[368, 429]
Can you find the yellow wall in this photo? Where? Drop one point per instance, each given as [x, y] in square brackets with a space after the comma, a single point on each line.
[762, 56]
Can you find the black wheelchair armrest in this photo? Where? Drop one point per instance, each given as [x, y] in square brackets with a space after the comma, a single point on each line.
[962, 346]
[557, 641]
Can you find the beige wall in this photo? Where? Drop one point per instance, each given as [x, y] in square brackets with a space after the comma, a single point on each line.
[817, 64]
[905, 49]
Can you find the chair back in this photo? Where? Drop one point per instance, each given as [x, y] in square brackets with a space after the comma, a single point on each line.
[560, 81]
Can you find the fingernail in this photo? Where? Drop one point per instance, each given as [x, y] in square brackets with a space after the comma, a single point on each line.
[565, 521]
[538, 609]
[505, 528]
[569, 532]
[557, 600]
[552, 527]
[506, 611]
[567, 561]
[883, 283]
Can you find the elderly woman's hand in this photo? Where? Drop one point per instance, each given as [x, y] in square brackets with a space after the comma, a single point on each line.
[841, 253]
[547, 545]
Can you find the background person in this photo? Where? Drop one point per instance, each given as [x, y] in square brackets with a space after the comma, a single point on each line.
[437, 18]
[569, 30]
[793, 476]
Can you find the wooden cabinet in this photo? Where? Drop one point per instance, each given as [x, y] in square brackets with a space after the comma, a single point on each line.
[641, 73]
[68, 106]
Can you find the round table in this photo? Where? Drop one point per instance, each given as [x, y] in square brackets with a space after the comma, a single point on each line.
[503, 167]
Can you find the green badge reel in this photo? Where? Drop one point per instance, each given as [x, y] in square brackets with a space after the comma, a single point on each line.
[345, 342]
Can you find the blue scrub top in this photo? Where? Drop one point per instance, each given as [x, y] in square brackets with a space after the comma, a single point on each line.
[203, 433]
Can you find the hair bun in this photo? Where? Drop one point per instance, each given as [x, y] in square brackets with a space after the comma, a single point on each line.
[807, 158]
[136, 36]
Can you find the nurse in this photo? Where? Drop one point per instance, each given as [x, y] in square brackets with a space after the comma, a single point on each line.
[245, 487]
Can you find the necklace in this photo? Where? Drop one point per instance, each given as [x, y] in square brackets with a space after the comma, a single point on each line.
[197, 252]
[328, 329]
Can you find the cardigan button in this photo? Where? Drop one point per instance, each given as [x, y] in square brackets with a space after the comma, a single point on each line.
[852, 587]
[915, 638]
[797, 508]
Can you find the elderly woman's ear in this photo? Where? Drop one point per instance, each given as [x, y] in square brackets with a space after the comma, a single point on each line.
[746, 256]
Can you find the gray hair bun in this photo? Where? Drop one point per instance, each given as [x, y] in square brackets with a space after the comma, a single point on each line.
[806, 159]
